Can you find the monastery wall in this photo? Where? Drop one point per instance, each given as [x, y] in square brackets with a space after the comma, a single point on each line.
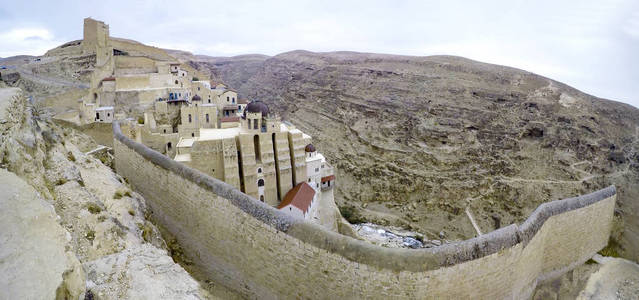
[135, 62]
[137, 49]
[263, 253]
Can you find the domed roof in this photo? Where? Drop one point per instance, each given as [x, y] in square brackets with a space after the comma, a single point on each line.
[257, 106]
[309, 148]
[196, 98]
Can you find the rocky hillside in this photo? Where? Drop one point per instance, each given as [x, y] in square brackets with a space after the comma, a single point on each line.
[420, 141]
[71, 227]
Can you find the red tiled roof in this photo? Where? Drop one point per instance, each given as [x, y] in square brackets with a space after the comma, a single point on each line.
[301, 196]
[229, 119]
[328, 178]
[111, 78]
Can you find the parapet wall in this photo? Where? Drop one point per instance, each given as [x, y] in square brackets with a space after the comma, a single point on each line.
[263, 253]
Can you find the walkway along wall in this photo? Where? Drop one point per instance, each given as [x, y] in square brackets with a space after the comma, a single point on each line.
[262, 253]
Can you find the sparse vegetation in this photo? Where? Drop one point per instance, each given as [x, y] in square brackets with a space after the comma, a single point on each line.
[70, 156]
[140, 120]
[196, 79]
[93, 208]
[90, 235]
[611, 249]
[351, 215]
[118, 195]
[131, 212]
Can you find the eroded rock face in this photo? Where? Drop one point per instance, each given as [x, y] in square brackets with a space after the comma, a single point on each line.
[141, 272]
[616, 279]
[86, 219]
[36, 259]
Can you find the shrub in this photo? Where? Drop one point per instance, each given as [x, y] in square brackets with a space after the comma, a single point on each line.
[118, 195]
[93, 208]
[196, 79]
[90, 235]
[140, 120]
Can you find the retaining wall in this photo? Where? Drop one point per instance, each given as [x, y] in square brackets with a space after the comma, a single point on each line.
[263, 253]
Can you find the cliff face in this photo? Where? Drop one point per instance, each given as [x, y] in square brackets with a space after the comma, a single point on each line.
[70, 225]
[418, 140]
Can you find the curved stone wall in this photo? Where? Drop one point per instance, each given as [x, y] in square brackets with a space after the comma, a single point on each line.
[261, 252]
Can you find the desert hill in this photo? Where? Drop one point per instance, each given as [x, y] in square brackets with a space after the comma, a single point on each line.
[418, 140]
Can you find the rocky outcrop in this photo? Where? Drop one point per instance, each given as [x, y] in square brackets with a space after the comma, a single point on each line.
[65, 214]
[141, 272]
[616, 279]
[36, 259]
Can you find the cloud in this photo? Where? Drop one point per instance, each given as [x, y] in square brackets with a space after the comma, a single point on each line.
[29, 41]
[631, 26]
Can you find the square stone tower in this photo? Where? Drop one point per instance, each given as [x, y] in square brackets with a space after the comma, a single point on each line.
[96, 40]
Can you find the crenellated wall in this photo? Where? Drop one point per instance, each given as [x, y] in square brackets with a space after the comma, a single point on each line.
[263, 253]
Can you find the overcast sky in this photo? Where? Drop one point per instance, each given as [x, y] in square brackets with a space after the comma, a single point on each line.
[590, 45]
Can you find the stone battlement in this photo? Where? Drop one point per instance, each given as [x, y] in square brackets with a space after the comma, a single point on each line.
[261, 252]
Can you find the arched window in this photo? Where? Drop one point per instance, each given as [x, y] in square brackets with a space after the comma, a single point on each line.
[189, 118]
[262, 198]
[165, 132]
[168, 145]
[227, 98]
[260, 182]
[207, 118]
[192, 134]
[176, 82]
[259, 170]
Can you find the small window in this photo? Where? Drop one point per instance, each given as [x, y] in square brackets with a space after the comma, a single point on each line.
[290, 208]
[165, 132]
[227, 99]
[168, 145]
[207, 118]
[259, 170]
[260, 182]
[176, 82]
[198, 88]
[108, 114]
[209, 100]
[192, 134]
[249, 124]
[262, 198]
[233, 100]
[309, 180]
[316, 169]
[189, 118]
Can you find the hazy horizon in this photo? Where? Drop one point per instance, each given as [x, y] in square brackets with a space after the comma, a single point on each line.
[590, 46]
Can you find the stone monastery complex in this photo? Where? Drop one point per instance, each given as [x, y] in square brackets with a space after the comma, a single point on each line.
[250, 199]
[206, 126]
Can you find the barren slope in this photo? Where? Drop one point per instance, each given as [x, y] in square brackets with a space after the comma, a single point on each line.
[418, 140]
